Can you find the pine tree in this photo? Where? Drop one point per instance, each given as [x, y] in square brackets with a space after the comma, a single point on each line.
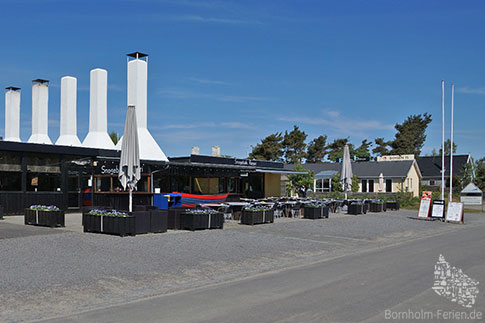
[294, 145]
[410, 136]
[270, 148]
[317, 149]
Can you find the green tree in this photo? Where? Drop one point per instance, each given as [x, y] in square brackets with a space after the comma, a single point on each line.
[410, 136]
[448, 148]
[480, 173]
[364, 149]
[270, 148]
[300, 180]
[336, 184]
[336, 149]
[114, 137]
[355, 183]
[382, 147]
[467, 175]
[317, 149]
[294, 145]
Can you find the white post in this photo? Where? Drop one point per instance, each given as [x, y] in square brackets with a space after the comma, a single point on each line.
[443, 140]
[12, 114]
[40, 103]
[451, 147]
[68, 128]
[98, 112]
[130, 206]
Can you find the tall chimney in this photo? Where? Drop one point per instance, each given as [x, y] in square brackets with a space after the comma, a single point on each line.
[216, 151]
[98, 111]
[40, 103]
[137, 96]
[68, 133]
[195, 150]
[12, 114]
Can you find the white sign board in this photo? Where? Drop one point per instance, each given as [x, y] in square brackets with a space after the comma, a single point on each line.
[471, 200]
[424, 208]
[438, 210]
[455, 212]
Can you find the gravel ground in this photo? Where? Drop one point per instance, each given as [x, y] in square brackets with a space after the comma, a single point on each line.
[45, 275]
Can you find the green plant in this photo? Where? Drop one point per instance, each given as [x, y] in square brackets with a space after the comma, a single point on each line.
[44, 208]
[108, 213]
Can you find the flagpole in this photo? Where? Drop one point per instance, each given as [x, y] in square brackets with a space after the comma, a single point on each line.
[451, 146]
[443, 140]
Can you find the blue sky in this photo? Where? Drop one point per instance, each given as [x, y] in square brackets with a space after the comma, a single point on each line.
[230, 73]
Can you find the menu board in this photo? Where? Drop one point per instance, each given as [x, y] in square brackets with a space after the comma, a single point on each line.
[438, 211]
[425, 205]
[455, 212]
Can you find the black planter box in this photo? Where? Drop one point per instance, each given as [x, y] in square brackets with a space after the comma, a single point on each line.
[158, 221]
[315, 213]
[2, 210]
[173, 218]
[201, 221]
[356, 208]
[376, 207]
[121, 226]
[142, 221]
[44, 218]
[392, 205]
[257, 217]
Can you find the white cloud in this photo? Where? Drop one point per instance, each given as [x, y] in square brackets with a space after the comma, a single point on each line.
[206, 125]
[342, 125]
[205, 81]
[188, 94]
[468, 90]
[201, 19]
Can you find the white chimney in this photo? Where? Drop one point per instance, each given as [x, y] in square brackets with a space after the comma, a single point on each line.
[137, 96]
[40, 119]
[195, 150]
[216, 151]
[68, 133]
[98, 111]
[12, 114]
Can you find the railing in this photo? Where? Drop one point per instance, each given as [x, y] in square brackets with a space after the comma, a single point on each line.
[16, 202]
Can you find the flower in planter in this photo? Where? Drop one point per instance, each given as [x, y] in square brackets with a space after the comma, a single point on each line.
[108, 213]
[256, 208]
[44, 208]
[200, 211]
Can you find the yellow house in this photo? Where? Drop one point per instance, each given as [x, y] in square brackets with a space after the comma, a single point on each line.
[397, 175]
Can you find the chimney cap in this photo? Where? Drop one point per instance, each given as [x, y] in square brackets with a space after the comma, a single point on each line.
[137, 55]
[40, 81]
[13, 88]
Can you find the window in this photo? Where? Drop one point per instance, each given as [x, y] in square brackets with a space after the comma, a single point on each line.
[233, 185]
[180, 184]
[222, 184]
[364, 185]
[10, 181]
[205, 185]
[43, 182]
[318, 185]
[371, 185]
[388, 185]
[322, 185]
[103, 183]
[162, 182]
